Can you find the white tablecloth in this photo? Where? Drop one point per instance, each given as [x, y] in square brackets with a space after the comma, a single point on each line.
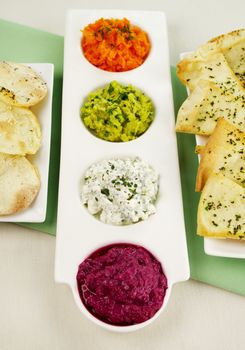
[35, 313]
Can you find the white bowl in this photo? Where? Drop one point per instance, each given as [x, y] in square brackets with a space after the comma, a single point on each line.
[120, 329]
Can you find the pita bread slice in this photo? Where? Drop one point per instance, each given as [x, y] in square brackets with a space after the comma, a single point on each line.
[199, 149]
[213, 68]
[205, 105]
[225, 153]
[221, 210]
[19, 183]
[20, 85]
[20, 131]
[231, 45]
[228, 40]
[236, 60]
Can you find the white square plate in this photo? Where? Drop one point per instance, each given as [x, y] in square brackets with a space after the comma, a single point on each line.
[219, 247]
[36, 212]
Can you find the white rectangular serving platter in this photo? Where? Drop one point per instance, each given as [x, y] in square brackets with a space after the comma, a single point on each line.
[78, 233]
[36, 212]
[213, 246]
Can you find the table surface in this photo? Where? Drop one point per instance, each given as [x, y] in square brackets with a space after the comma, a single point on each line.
[35, 312]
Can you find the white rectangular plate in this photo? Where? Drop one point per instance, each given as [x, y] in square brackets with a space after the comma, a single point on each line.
[78, 233]
[36, 212]
[219, 247]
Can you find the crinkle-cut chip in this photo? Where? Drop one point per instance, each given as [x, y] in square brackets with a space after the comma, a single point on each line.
[19, 183]
[20, 131]
[231, 45]
[221, 210]
[224, 152]
[20, 85]
[207, 102]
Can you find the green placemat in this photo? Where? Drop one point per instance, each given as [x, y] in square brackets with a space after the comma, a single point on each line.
[23, 44]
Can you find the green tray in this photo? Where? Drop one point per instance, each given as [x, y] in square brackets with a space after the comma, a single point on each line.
[23, 44]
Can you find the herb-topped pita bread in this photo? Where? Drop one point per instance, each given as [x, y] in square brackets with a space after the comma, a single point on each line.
[230, 45]
[215, 77]
[205, 105]
[225, 153]
[221, 210]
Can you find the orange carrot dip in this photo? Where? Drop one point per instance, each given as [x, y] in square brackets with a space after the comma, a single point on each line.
[115, 45]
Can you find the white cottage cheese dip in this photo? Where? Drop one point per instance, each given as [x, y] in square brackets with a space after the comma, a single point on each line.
[120, 191]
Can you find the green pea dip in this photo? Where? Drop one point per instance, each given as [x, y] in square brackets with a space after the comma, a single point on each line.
[117, 113]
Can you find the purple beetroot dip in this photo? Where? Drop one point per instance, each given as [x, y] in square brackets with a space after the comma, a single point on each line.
[122, 284]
